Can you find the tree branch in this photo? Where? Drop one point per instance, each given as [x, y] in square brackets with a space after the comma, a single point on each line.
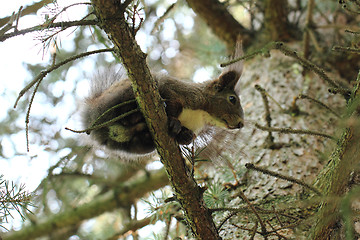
[187, 192]
[276, 23]
[62, 25]
[122, 195]
[132, 226]
[27, 10]
[220, 21]
[334, 177]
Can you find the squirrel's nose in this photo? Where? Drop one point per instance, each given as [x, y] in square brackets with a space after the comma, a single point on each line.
[240, 125]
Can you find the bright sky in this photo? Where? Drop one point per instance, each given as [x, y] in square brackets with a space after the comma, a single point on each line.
[19, 50]
[15, 52]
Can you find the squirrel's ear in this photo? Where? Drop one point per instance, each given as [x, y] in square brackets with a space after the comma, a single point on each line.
[232, 73]
[226, 80]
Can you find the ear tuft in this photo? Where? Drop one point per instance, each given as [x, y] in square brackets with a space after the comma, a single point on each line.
[232, 73]
[238, 52]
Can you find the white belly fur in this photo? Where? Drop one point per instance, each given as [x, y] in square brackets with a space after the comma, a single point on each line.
[195, 120]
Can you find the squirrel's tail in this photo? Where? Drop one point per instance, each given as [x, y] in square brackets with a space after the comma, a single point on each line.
[104, 78]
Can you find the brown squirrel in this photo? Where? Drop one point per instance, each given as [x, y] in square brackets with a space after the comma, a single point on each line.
[189, 107]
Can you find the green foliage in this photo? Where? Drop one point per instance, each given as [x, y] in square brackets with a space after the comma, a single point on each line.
[13, 198]
[347, 212]
[216, 195]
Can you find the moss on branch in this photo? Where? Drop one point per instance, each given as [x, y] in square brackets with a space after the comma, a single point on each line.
[112, 20]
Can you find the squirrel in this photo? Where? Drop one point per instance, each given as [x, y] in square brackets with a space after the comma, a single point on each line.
[189, 106]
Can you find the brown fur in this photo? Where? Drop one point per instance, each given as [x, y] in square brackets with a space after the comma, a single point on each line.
[195, 104]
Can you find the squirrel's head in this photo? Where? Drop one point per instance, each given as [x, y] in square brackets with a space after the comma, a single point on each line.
[224, 102]
[223, 95]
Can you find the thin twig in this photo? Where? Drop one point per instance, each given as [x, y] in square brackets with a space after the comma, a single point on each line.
[270, 137]
[28, 114]
[277, 216]
[17, 19]
[105, 124]
[41, 27]
[45, 39]
[267, 94]
[275, 231]
[161, 18]
[294, 131]
[8, 25]
[167, 227]
[315, 41]
[243, 197]
[342, 91]
[252, 236]
[224, 221]
[42, 74]
[346, 49]
[278, 175]
[38, 80]
[66, 7]
[303, 96]
[308, 28]
[286, 227]
[246, 229]
[352, 32]
[246, 210]
[291, 53]
[94, 124]
[306, 63]
[264, 51]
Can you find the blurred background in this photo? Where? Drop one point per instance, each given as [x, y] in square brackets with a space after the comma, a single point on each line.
[60, 172]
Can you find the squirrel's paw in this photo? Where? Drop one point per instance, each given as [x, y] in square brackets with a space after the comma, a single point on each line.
[185, 136]
[174, 126]
[182, 134]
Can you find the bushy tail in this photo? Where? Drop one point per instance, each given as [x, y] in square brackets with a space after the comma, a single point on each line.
[104, 78]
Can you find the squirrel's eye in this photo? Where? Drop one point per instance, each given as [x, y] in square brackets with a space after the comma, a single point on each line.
[232, 99]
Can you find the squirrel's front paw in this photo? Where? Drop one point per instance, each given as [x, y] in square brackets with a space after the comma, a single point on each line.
[182, 134]
[174, 126]
[185, 136]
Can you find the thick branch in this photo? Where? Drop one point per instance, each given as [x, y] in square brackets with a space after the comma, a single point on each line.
[276, 23]
[186, 190]
[334, 178]
[220, 21]
[123, 195]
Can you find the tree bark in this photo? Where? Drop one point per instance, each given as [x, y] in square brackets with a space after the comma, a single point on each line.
[220, 21]
[276, 23]
[335, 176]
[111, 16]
